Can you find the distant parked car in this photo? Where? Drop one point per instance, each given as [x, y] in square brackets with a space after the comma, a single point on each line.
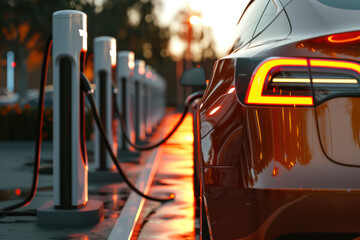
[32, 99]
[7, 98]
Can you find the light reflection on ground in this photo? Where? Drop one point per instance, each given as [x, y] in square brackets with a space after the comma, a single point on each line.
[174, 220]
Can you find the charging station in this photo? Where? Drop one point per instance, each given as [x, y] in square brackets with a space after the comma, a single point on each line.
[104, 66]
[159, 90]
[161, 100]
[126, 101]
[139, 74]
[71, 206]
[156, 98]
[149, 100]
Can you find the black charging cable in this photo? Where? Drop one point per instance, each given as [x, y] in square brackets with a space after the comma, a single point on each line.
[38, 141]
[85, 85]
[191, 98]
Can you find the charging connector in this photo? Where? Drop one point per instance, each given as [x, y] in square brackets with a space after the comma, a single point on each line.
[94, 111]
[190, 99]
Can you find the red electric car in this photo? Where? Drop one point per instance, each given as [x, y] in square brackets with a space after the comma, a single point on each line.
[277, 132]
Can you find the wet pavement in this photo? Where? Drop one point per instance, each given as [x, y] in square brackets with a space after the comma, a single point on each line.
[173, 220]
[16, 175]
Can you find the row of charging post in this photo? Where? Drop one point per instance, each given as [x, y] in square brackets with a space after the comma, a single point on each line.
[141, 99]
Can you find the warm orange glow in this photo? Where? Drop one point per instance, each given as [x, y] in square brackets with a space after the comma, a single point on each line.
[207, 82]
[344, 37]
[141, 68]
[78, 236]
[148, 74]
[275, 171]
[115, 199]
[131, 60]
[254, 93]
[131, 65]
[195, 20]
[231, 90]
[113, 53]
[214, 110]
[17, 192]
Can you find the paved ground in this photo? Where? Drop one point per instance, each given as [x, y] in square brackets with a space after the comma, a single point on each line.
[173, 220]
[15, 178]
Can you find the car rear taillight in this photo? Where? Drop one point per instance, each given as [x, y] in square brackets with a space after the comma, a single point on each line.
[334, 78]
[280, 81]
[287, 81]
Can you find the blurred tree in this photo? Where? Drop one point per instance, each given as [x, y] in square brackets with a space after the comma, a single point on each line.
[25, 27]
[135, 27]
[26, 24]
[199, 37]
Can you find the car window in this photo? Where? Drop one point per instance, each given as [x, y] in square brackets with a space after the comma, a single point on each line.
[343, 4]
[267, 17]
[248, 22]
[277, 30]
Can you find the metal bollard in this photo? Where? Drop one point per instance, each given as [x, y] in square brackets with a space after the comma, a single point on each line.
[160, 91]
[69, 43]
[162, 99]
[126, 102]
[148, 101]
[104, 65]
[70, 206]
[139, 72]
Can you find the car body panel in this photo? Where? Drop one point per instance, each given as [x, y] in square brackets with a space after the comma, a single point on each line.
[270, 171]
[339, 129]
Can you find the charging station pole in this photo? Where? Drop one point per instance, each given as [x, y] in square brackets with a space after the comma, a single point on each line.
[156, 98]
[126, 99]
[148, 101]
[139, 73]
[162, 98]
[70, 206]
[104, 64]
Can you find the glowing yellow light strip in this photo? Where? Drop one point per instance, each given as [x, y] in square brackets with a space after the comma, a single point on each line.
[335, 80]
[254, 94]
[315, 80]
[291, 80]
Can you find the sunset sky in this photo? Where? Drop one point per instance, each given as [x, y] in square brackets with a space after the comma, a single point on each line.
[221, 16]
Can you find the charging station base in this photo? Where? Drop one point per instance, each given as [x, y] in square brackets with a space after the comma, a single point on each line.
[88, 215]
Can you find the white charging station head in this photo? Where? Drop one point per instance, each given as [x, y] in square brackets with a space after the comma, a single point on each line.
[70, 23]
[104, 52]
[125, 64]
[139, 70]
